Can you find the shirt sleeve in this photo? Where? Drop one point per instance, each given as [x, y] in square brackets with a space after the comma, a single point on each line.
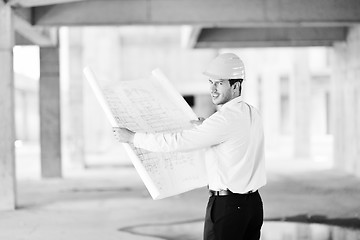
[212, 131]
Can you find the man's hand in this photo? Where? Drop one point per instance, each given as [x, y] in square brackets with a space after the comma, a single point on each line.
[123, 135]
[197, 122]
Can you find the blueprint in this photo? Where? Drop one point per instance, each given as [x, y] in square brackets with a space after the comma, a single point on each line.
[153, 105]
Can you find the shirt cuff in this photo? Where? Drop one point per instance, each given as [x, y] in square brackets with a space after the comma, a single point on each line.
[137, 139]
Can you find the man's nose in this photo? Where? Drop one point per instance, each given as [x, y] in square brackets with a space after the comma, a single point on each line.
[213, 87]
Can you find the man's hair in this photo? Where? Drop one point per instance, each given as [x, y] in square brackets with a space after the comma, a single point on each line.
[233, 81]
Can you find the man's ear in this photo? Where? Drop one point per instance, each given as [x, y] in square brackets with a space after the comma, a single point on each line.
[236, 85]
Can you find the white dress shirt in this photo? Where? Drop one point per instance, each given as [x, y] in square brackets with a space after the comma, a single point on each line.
[234, 142]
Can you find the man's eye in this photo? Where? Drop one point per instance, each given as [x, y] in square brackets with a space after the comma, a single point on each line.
[220, 83]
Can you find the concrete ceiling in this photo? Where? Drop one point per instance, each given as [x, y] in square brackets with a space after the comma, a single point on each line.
[215, 24]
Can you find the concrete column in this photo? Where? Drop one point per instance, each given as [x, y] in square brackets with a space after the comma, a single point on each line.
[270, 105]
[346, 102]
[50, 122]
[353, 100]
[338, 75]
[301, 104]
[7, 123]
[76, 97]
[356, 144]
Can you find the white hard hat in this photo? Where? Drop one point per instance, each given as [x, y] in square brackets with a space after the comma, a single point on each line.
[226, 66]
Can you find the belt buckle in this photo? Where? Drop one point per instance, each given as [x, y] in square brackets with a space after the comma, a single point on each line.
[221, 192]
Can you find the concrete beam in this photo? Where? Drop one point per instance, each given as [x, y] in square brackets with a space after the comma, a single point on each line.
[24, 13]
[7, 123]
[210, 13]
[26, 34]
[33, 3]
[270, 37]
[50, 120]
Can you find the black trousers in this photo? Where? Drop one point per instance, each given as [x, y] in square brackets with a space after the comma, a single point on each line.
[234, 217]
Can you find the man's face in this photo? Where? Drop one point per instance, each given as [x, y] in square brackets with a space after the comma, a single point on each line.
[220, 90]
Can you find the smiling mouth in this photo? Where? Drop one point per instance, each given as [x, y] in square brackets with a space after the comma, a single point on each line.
[214, 95]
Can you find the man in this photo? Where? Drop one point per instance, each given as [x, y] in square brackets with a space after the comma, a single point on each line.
[234, 142]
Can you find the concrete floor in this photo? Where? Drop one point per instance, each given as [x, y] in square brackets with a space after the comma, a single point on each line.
[112, 203]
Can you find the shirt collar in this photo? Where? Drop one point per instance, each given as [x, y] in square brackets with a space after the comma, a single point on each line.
[232, 102]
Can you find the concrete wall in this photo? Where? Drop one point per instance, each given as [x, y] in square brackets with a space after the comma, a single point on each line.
[346, 102]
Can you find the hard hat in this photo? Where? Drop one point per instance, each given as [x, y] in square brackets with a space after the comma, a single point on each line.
[226, 66]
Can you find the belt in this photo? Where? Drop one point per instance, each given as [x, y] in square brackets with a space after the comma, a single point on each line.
[225, 192]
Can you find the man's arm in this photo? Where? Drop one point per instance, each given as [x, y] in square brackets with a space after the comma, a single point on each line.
[126, 136]
[212, 131]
